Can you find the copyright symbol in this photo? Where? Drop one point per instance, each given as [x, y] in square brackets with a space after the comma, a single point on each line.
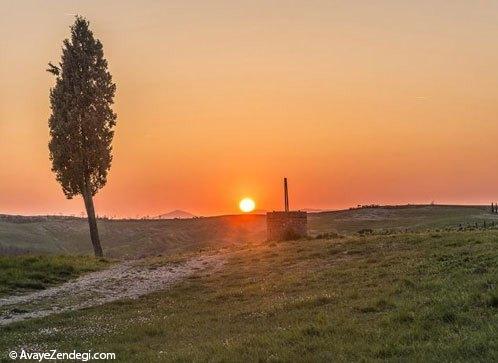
[13, 355]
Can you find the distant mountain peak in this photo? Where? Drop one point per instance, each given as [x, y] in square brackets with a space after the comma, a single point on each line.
[180, 214]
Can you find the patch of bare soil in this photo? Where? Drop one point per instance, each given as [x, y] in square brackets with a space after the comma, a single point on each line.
[126, 280]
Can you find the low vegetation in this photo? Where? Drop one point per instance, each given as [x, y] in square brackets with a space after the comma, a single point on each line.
[126, 238]
[23, 273]
[138, 238]
[425, 296]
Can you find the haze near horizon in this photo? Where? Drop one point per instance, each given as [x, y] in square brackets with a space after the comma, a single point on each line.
[354, 102]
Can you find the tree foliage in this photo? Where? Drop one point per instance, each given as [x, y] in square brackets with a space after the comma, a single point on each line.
[82, 120]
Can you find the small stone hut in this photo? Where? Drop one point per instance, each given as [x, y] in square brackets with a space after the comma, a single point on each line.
[282, 226]
[286, 225]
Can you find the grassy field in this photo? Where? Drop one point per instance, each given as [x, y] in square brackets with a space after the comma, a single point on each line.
[136, 238]
[417, 296]
[24, 273]
[414, 218]
[126, 238]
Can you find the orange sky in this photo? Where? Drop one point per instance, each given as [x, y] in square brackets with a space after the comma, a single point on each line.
[354, 101]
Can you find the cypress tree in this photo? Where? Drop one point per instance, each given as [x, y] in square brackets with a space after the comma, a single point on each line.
[82, 120]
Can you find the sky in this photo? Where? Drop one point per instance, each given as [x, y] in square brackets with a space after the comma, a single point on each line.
[355, 102]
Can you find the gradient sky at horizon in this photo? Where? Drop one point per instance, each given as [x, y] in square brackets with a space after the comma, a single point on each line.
[356, 102]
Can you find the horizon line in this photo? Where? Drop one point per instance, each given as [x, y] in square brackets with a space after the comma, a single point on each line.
[261, 212]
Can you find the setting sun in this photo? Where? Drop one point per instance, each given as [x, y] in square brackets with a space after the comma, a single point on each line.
[247, 205]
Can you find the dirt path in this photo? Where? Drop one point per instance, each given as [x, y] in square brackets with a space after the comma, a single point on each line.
[126, 280]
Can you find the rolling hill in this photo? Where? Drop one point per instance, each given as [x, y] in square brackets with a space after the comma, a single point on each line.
[135, 238]
[176, 214]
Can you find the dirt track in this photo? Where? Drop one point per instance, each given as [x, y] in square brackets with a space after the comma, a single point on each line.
[126, 280]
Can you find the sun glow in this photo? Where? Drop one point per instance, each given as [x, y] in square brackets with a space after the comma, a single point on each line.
[247, 205]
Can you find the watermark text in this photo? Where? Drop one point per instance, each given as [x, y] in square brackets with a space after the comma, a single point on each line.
[54, 354]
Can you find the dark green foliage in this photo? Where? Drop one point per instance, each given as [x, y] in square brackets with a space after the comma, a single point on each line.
[328, 235]
[82, 121]
[365, 231]
[290, 235]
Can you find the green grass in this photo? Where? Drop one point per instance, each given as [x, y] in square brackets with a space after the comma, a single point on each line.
[23, 273]
[126, 238]
[403, 297]
[402, 218]
[137, 238]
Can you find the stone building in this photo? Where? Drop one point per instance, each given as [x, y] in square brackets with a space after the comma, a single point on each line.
[281, 226]
[286, 225]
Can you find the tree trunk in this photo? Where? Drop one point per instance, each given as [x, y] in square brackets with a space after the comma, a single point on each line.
[92, 221]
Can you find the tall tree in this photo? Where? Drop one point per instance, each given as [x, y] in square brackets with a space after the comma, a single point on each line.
[82, 120]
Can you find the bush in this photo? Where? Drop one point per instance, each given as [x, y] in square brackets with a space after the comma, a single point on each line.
[365, 231]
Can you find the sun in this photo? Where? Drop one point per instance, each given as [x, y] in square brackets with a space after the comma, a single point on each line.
[247, 205]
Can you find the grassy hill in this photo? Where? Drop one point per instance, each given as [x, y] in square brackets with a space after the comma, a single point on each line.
[402, 218]
[418, 296]
[120, 238]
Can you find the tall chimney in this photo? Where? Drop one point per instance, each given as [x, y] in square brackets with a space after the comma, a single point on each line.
[286, 195]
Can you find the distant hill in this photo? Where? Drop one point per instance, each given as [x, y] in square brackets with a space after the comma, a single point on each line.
[135, 238]
[176, 214]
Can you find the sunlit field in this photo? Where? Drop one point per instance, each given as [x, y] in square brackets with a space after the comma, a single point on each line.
[139, 238]
[423, 296]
